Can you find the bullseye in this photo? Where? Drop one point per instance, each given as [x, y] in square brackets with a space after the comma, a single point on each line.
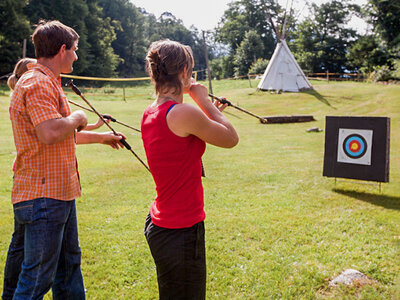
[354, 146]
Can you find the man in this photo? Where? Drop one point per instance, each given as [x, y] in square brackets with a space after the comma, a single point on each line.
[46, 179]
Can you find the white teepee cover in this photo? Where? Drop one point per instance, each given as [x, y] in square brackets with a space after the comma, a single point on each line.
[283, 72]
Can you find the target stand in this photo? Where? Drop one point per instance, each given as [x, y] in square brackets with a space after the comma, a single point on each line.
[357, 148]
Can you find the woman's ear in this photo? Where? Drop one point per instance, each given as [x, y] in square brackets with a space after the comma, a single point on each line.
[184, 73]
[186, 80]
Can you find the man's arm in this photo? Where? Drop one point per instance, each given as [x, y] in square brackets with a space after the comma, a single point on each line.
[53, 131]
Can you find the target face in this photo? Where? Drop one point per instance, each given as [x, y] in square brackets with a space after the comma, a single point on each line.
[354, 146]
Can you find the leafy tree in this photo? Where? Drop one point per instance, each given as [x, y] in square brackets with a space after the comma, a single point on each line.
[244, 15]
[305, 46]
[249, 50]
[14, 29]
[71, 13]
[385, 16]
[259, 66]
[130, 43]
[96, 57]
[366, 53]
[321, 42]
[222, 67]
[102, 61]
[170, 27]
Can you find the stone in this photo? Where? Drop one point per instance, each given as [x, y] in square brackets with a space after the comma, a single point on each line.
[350, 276]
[314, 129]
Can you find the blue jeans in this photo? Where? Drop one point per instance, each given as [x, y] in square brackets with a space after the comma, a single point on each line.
[45, 241]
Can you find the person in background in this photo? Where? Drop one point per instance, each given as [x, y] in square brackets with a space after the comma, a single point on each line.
[174, 136]
[21, 67]
[46, 180]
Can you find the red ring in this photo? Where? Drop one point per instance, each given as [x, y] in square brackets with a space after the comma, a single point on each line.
[358, 146]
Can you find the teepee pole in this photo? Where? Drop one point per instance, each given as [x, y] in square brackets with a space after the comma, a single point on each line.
[271, 21]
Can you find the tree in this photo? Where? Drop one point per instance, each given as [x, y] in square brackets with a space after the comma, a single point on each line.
[249, 50]
[130, 43]
[259, 66]
[320, 43]
[15, 28]
[245, 15]
[385, 16]
[170, 27]
[71, 13]
[366, 53]
[96, 57]
[101, 59]
[222, 67]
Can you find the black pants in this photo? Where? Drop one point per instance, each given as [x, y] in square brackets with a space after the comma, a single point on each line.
[180, 258]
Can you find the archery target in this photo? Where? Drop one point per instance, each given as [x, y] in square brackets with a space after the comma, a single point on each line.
[354, 146]
[357, 148]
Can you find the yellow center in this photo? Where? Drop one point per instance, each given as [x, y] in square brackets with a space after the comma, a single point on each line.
[354, 146]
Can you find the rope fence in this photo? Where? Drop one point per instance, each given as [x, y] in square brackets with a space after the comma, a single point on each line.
[113, 79]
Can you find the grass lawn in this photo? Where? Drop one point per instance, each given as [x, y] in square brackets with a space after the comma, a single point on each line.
[275, 227]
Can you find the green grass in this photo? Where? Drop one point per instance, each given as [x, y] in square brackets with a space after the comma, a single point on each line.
[275, 227]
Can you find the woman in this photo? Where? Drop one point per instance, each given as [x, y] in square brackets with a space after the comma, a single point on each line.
[174, 136]
[20, 68]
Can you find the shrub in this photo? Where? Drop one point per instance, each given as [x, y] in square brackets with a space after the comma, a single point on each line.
[381, 73]
[259, 66]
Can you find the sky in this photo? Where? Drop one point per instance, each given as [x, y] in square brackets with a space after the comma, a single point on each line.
[206, 14]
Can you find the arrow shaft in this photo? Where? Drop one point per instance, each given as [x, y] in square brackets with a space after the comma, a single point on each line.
[123, 141]
[222, 100]
[116, 121]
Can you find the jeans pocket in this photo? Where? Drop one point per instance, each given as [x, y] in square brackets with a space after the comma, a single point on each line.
[23, 211]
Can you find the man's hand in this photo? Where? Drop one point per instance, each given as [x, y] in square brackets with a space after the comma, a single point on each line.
[109, 138]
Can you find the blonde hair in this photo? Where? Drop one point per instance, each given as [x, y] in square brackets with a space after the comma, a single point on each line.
[19, 69]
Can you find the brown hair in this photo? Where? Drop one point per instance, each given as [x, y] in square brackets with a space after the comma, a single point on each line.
[165, 62]
[48, 38]
[19, 69]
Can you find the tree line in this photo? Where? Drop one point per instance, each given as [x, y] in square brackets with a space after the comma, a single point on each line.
[115, 35]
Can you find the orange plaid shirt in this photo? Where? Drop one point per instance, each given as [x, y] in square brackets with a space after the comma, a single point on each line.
[41, 170]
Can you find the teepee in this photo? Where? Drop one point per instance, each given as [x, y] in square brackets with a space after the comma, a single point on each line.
[283, 73]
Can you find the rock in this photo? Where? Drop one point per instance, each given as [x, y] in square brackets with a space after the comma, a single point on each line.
[314, 129]
[350, 276]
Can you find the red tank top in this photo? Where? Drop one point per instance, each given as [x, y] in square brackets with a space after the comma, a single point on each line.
[175, 163]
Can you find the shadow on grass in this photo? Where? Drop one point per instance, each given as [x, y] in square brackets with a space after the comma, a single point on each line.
[319, 97]
[390, 202]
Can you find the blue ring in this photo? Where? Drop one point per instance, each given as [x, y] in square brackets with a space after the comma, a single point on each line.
[362, 146]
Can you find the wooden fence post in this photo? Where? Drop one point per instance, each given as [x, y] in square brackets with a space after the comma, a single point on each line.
[248, 76]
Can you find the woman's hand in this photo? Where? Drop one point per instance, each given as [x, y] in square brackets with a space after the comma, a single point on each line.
[220, 106]
[98, 124]
[198, 93]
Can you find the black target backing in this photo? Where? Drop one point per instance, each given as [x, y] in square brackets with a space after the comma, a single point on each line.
[378, 170]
